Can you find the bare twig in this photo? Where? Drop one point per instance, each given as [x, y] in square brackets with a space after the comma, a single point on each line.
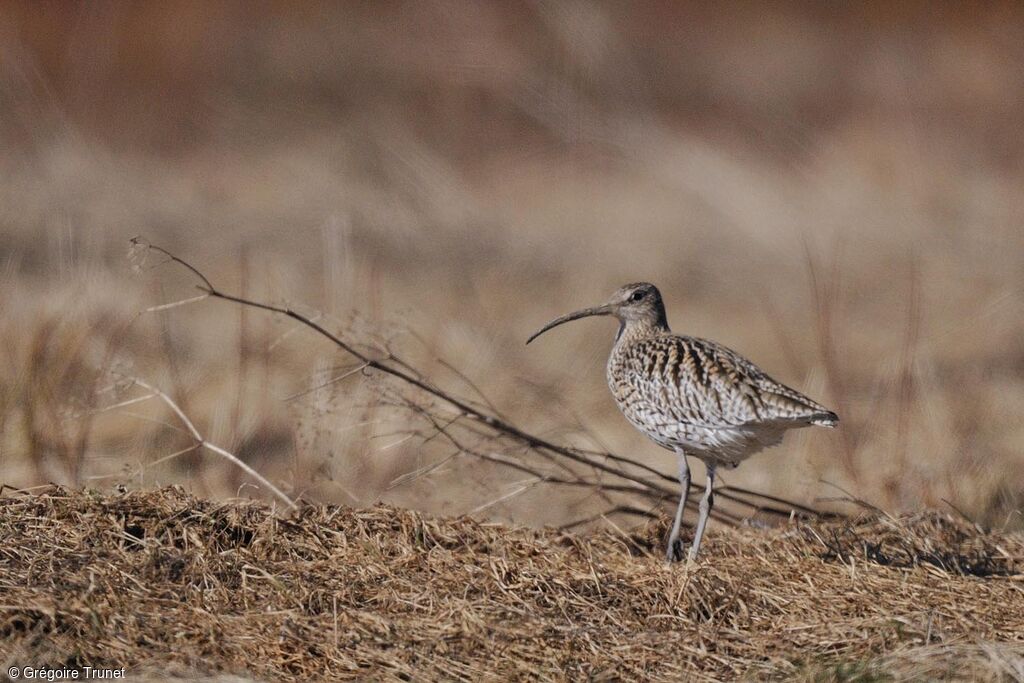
[201, 442]
[324, 385]
[850, 498]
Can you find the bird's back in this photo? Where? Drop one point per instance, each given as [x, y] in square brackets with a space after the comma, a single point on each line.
[695, 394]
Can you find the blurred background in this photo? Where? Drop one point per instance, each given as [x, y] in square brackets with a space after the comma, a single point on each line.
[833, 190]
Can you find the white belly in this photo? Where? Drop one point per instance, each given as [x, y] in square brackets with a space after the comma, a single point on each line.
[727, 446]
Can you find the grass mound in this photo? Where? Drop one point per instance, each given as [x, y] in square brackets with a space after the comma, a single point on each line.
[161, 582]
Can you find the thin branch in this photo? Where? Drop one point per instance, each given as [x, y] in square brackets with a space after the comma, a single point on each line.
[619, 509]
[472, 385]
[141, 243]
[201, 442]
[515, 492]
[175, 304]
[408, 477]
[850, 498]
[324, 385]
[115, 406]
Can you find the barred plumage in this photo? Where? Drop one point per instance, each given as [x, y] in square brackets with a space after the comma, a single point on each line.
[699, 396]
[693, 396]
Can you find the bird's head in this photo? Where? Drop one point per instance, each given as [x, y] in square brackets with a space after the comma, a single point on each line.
[634, 304]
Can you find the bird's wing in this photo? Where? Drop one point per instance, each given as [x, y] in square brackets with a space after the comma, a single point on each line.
[703, 383]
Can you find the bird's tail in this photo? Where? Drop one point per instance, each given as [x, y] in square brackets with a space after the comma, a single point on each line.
[825, 419]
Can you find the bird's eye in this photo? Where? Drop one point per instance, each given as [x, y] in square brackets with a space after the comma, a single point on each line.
[637, 295]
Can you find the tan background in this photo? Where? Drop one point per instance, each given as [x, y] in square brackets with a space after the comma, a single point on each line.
[833, 191]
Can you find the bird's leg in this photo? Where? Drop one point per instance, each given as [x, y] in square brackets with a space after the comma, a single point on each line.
[705, 510]
[684, 482]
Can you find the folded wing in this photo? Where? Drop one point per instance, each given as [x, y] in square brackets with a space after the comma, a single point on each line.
[700, 382]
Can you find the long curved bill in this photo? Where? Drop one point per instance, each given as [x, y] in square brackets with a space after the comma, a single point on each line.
[604, 309]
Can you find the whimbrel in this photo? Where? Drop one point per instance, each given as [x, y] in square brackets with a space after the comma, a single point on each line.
[693, 396]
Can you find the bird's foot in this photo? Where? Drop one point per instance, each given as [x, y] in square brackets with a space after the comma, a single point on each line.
[676, 551]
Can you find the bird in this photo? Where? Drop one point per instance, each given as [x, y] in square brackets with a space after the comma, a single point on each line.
[692, 396]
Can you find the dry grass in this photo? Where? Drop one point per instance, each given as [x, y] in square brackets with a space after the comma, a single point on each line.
[162, 581]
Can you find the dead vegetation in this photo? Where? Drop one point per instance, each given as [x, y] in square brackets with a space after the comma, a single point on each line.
[164, 582]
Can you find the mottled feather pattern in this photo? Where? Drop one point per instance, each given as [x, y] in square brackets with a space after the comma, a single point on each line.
[697, 395]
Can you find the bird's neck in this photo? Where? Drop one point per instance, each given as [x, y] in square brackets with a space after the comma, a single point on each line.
[640, 328]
